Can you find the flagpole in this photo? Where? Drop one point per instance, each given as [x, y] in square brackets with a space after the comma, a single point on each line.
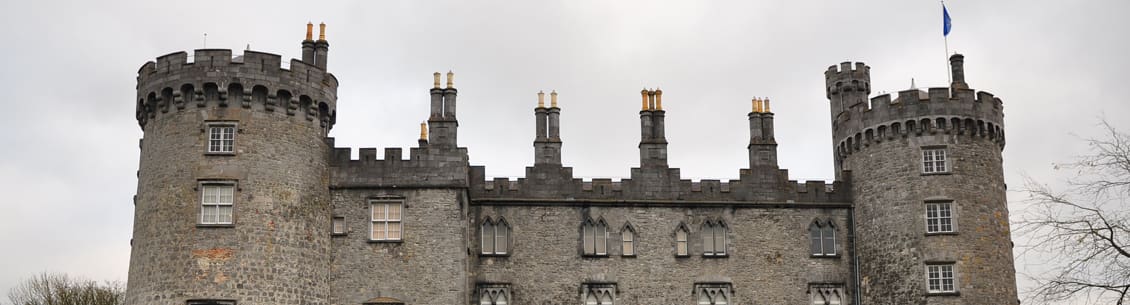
[946, 42]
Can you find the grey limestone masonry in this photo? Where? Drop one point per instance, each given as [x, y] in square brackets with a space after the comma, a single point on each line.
[290, 181]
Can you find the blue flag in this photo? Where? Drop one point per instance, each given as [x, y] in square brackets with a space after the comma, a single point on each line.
[946, 25]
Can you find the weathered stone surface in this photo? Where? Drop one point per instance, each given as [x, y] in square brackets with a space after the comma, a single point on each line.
[291, 181]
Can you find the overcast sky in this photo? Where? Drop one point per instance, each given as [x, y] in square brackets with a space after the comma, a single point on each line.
[68, 78]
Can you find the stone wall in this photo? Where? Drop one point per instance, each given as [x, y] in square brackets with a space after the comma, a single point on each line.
[428, 266]
[768, 258]
[890, 193]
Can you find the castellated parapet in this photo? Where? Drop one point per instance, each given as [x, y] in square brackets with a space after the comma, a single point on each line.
[308, 224]
[254, 80]
[858, 122]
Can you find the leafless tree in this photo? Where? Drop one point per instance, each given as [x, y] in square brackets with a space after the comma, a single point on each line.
[1082, 230]
[60, 289]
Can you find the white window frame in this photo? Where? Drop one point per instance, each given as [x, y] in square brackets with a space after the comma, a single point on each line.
[941, 278]
[222, 134]
[600, 294]
[337, 225]
[217, 203]
[934, 160]
[940, 217]
[386, 219]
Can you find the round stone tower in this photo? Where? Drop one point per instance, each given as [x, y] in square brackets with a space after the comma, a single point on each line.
[926, 180]
[233, 202]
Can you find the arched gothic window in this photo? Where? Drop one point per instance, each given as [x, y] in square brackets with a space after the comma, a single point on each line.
[494, 294]
[595, 237]
[627, 241]
[495, 237]
[826, 294]
[713, 293]
[681, 247]
[714, 238]
[599, 294]
[822, 236]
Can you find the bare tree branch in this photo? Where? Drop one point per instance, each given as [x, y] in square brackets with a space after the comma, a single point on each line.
[1083, 230]
[59, 289]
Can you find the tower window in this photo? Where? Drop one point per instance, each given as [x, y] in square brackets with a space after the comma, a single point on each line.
[495, 236]
[939, 217]
[940, 278]
[934, 161]
[221, 138]
[714, 239]
[216, 203]
[595, 237]
[386, 220]
[823, 238]
[338, 225]
[598, 294]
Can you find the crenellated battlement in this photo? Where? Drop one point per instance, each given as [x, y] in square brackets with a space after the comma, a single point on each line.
[253, 80]
[558, 184]
[846, 78]
[917, 112]
[425, 167]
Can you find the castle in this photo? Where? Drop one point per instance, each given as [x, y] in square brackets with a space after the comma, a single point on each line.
[243, 199]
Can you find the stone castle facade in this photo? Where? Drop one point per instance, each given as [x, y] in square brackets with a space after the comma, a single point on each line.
[243, 199]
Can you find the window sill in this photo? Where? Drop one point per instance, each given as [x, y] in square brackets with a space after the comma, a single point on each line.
[594, 255]
[217, 153]
[943, 294]
[628, 255]
[940, 233]
[833, 256]
[682, 255]
[494, 254]
[339, 234]
[938, 174]
[215, 225]
[715, 255]
[385, 241]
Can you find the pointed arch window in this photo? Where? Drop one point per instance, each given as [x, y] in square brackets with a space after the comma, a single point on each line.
[822, 238]
[594, 237]
[681, 246]
[494, 294]
[713, 294]
[599, 294]
[826, 294]
[714, 238]
[495, 237]
[627, 241]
